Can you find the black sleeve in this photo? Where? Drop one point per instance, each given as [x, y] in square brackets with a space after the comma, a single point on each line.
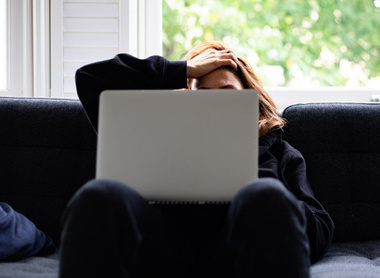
[126, 72]
[320, 227]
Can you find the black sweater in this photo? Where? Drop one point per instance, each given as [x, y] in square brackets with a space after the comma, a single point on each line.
[277, 159]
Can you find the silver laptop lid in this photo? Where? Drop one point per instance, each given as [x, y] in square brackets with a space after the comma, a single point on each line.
[179, 145]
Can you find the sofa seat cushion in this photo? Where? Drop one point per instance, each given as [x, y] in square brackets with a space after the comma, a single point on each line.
[33, 267]
[344, 260]
[359, 259]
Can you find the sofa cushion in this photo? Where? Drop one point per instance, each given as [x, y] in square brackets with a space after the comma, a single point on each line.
[47, 151]
[33, 267]
[344, 260]
[340, 143]
[349, 260]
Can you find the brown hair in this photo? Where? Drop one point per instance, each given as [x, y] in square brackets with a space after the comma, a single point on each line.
[268, 118]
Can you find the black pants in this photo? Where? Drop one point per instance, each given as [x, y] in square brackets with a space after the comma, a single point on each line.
[111, 231]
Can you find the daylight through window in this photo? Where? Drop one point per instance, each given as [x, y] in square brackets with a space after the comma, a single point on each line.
[290, 43]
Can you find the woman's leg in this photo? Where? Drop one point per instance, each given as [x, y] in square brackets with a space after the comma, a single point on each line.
[266, 232]
[110, 231]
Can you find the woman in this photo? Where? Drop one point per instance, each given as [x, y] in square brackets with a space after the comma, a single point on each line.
[274, 226]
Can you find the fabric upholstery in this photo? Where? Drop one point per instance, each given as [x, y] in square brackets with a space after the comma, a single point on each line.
[349, 260]
[344, 260]
[33, 267]
[47, 151]
[340, 143]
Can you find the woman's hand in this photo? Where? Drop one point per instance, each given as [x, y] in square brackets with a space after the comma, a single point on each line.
[210, 60]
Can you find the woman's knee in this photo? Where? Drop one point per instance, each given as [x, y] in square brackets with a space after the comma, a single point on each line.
[105, 192]
[265, 192]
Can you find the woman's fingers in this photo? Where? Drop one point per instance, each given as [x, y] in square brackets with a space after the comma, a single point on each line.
[227, 62]
[210, 60]
[228, 59]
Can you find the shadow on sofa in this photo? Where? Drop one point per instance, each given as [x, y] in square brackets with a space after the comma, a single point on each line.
[48, 150]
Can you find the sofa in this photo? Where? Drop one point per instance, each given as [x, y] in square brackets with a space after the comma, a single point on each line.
[48, 151]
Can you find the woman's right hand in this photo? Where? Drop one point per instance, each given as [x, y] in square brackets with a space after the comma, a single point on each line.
[210, 60]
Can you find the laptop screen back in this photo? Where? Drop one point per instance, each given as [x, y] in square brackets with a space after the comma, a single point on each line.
[179, 145]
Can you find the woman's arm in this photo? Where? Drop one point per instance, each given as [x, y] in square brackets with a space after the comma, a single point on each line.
[126, 72]
[320, 227]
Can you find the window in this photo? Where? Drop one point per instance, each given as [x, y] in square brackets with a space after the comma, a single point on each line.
[290, 43]
[304, 51]
[11, 71]
[51, 39]
[87, 31]
[3, 45]
[82, 32]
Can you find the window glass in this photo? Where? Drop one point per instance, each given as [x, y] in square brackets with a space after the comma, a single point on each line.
[289, 43]
[3, 44]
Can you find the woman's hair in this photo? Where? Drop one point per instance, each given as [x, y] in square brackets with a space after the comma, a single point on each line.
[268, 118]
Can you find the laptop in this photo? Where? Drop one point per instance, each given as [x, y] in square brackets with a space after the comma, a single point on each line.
[181, 146]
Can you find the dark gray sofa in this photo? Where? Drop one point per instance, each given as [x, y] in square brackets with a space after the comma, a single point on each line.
[47, 151]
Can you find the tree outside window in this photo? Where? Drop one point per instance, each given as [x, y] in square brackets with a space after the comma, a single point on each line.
[290, 43]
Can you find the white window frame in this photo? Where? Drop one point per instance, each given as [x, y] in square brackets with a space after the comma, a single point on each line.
[143, 38]
[56, 37]
[41, 47]
[286, 96]
[3, 44]
[28, 49]
[14, 49]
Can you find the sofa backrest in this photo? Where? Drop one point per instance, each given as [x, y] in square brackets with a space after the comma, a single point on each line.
[47, 151]
[341, 146]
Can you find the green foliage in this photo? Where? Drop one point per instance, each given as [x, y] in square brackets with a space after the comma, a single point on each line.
[320, 42]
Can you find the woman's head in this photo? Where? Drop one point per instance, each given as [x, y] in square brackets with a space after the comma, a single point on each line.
[220, 78]
[243, 78]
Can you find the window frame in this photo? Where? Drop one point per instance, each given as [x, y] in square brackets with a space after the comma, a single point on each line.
[41, 45]
[14, 37]
[286, 96]
[143, 37]
[28, 49]
[4, 32]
